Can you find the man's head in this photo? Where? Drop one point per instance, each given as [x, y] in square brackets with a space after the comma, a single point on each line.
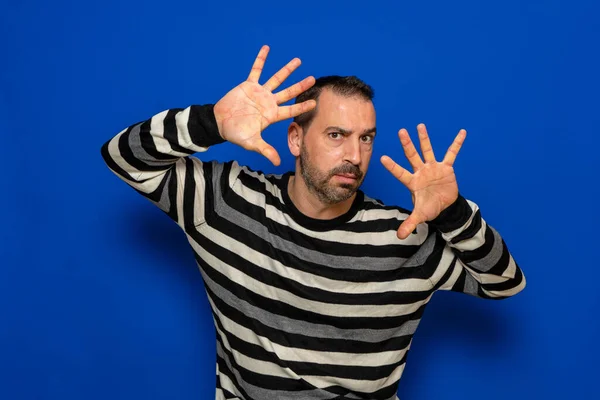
[333, 143]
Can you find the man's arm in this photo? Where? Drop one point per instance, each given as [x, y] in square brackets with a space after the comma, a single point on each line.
[483, 265]
[153, 156]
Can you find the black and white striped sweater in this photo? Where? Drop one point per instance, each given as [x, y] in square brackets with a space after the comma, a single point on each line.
[304, 308]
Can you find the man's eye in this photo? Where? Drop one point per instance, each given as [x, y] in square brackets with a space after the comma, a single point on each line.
[367, 139]
[334, 135]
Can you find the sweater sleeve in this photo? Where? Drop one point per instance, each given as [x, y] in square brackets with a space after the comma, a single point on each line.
[482, 265]
[153, 157]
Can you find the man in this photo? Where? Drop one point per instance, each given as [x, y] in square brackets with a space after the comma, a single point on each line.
[316, 289]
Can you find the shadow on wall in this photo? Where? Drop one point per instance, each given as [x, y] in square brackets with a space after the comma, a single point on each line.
[152, 234]
[471, 330]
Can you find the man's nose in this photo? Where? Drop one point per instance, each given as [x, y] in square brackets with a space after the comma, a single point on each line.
[352, 151]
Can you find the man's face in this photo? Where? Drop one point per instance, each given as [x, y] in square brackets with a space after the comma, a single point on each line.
[336, 149]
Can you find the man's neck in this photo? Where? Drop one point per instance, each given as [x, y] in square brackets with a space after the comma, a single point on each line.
[310, 205]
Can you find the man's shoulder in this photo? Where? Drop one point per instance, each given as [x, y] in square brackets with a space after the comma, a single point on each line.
[376, 208]
[234, 171]
[247, 172]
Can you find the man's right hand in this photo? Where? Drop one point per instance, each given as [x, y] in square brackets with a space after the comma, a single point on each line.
[246, 110]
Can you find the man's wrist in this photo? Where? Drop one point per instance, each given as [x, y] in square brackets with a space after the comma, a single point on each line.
[203, 126]
[454, 216]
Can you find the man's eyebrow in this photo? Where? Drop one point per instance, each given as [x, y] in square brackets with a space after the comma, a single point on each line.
[348, 131]
[372, 130]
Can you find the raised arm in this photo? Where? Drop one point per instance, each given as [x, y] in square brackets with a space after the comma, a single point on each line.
[482, 264]
[153, 156]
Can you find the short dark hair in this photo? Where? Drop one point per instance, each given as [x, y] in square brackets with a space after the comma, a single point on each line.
[347, 86]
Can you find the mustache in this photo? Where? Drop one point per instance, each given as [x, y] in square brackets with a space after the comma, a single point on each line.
[346, 169]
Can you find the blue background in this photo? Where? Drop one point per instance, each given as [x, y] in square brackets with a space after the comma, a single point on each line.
[99, 294]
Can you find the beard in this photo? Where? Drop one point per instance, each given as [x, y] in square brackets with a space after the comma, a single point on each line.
[319, 182]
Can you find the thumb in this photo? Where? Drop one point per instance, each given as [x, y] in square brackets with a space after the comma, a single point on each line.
[408, 226]
[268, 151]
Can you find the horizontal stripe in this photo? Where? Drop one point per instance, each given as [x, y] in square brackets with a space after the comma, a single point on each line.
[255, 331]
[216, 241]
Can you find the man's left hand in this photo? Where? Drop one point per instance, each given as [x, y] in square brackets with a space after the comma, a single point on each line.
[432, 184]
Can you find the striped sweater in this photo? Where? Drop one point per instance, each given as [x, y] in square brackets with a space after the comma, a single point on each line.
[304, 308]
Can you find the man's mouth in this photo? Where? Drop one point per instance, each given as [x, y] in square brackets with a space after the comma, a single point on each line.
[349, 179]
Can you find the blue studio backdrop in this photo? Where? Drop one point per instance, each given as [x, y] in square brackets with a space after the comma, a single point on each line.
[100, 297]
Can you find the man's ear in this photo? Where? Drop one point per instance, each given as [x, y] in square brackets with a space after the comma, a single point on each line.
[295, 136]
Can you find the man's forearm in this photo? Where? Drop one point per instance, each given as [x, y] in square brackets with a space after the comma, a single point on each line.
[480, 248]
[149, 148]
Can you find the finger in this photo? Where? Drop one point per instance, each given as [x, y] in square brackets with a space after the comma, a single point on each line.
[454, 148]
[400, 173]
[285, 112]
[294, 90]
[258, 65]
[409, 150]
[426, 148]
[268, 151]
[408, 226]
[281, 75]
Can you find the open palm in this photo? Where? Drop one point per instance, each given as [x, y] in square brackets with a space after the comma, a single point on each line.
[246, 110]
[432, 185]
